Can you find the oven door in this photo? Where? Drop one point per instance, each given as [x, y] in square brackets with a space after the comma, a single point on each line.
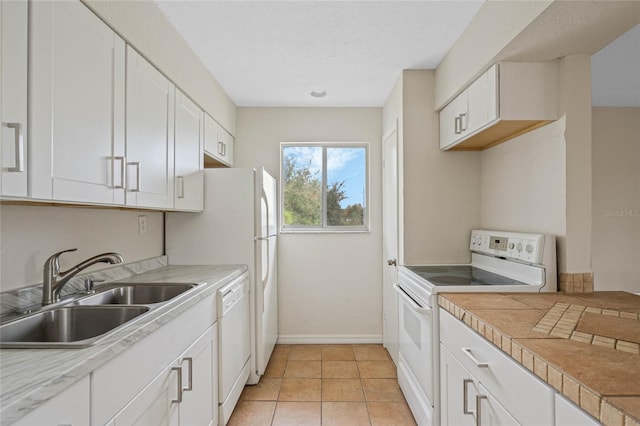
[415, 369]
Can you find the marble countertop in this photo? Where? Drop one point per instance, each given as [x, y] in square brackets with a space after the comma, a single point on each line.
[30, 377]
[585, 345]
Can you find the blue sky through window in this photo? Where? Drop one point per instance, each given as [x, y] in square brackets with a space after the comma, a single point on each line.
[346, 164]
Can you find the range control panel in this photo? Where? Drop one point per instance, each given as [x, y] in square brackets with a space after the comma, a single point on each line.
[512, 245]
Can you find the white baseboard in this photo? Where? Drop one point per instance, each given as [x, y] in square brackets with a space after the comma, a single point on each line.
[340, 339]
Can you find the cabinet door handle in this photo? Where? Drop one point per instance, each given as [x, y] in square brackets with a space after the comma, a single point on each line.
[137, 166]
[221, 148]
[190, 387]
[479, 399]
[180, 188]
[456, 125]
[123, 163]
[463, 129]
[19, 147]
[179, 371]
[224, 149]
[467, 352]
[465, 396]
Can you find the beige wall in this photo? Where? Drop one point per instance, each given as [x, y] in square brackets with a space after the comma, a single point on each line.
[30, 234]
[144, 26]
[616, 198]
[441, 189]
[330, 285]
[524, 183]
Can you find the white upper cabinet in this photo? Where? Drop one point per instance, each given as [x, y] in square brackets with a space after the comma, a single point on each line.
[218, 144]
[13, 43]
[149, 135]
[509, 99]
[189, 129]
[77, 71]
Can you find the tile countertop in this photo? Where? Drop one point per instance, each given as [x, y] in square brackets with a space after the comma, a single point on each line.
[30, 377]
[585, 345]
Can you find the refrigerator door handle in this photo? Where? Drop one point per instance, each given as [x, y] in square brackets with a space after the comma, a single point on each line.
[265, 199]
[267, 275]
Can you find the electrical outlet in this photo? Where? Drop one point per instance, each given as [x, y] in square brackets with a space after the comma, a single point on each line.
[142, 225]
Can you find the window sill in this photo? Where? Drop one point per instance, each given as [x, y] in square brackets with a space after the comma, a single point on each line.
[325, 231]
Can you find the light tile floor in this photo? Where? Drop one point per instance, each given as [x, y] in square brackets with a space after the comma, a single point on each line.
[325, 385]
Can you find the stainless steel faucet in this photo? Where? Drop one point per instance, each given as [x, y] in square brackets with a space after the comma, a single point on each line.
[54, 280]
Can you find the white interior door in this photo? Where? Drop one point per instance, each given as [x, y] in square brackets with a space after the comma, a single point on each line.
[390, 242]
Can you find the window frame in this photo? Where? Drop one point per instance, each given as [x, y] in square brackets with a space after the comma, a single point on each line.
[324, 228]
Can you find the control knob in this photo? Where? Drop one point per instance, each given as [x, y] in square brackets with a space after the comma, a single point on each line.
[473, 240]
[511, 246]
[529, 248]
[519, 246]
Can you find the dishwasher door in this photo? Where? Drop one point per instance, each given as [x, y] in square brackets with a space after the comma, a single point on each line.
[234, 347]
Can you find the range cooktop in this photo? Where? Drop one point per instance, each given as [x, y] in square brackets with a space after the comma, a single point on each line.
[461, 275]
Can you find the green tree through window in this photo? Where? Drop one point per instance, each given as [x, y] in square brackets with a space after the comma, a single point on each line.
[324, 186]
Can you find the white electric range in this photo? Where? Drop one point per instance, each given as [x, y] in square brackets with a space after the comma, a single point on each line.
[500, 262]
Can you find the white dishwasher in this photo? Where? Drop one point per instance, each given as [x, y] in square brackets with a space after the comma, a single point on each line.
[234, 348]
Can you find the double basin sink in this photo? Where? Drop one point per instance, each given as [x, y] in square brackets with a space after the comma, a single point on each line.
[82, 322]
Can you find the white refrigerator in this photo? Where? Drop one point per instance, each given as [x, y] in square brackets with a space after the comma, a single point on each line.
[238, 226]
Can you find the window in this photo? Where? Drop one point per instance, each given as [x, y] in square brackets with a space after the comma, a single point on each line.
[324, 186]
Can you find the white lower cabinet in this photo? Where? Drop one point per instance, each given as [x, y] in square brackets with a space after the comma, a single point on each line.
[70, 407]
[568, 414]
[465, 401]
[167, 378]
[182, 394]
[475, 377]
[198, 406]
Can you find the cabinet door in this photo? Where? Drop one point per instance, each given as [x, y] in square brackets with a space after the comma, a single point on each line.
[490, 412]
[218, 143]
[13, 86]
[157, 404]
[189, 191]
[482, 98]
[454, 121]
[149, 133]
[198, 406]
[227, 141]
[76, 105]
[450, 123]
[458, 391]
[69, 407]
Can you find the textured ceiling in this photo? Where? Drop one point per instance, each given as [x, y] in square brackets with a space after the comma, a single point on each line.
[274, 53]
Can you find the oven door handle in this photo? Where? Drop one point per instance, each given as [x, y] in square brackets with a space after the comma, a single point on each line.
[417, 308]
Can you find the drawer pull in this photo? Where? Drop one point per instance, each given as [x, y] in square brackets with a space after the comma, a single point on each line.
[467, 352]
[190, 387]
[479, 399]
[465, 396]
[179, 399]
